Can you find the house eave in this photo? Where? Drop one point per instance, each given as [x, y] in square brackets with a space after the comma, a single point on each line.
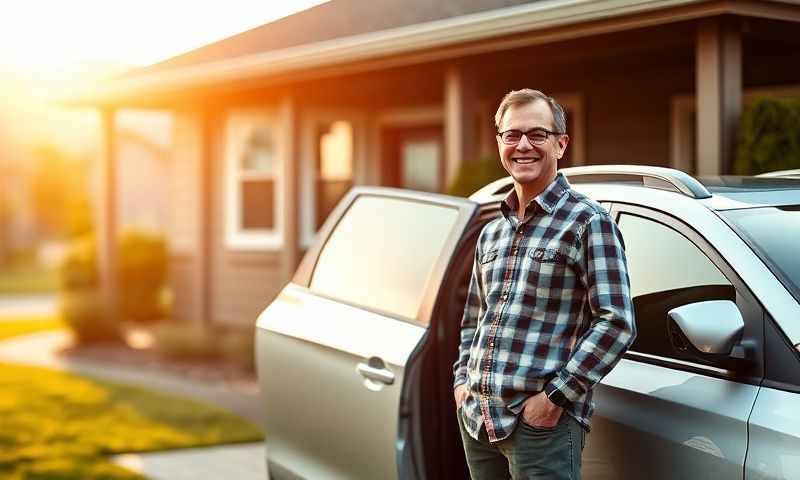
[430, 41]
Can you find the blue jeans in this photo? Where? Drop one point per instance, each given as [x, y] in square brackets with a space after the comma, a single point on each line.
[528, 453]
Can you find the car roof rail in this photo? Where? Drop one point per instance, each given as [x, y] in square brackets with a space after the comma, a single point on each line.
[653, 177]
[649, 176]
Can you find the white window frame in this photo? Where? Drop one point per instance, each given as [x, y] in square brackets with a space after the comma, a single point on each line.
[312, 118]
[682, 107]
[238, 125]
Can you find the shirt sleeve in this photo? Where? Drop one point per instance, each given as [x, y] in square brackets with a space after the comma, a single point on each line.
[602, 268]
[473, 309]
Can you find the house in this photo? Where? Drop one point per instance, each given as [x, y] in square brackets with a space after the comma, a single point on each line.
[272, 125]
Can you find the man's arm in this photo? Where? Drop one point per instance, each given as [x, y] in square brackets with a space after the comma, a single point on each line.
[473, 308]
[603, 270]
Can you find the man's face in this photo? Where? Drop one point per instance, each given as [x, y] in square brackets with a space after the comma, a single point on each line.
[525, 162]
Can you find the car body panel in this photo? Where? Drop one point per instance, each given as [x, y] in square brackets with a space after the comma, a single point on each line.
[656, 422]
[327, 423]
[774, 436]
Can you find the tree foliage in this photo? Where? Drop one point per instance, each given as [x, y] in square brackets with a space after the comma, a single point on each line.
[59, 192]
[769, 136]
[474, 175]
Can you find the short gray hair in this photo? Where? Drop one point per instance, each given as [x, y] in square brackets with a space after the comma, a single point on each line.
[529, 95]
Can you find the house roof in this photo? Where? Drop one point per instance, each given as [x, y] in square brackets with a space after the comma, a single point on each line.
[370, 34]
[334, 19]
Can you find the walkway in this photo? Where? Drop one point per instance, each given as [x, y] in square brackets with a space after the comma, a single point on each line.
[14, 306]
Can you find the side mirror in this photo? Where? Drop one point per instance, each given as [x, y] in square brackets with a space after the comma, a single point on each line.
[710, 332]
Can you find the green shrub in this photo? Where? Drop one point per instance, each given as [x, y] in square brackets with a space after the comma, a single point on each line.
[83, 310]
[81, 300]
[475, 174]
[769, 136]
[79, 268]
[142, 276]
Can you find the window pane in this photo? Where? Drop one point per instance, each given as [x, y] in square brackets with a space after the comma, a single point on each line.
[666, 271]
[381, 253]
[336, 152]
[421, 165]
[335, 169]
[258, 154]
[257, 204]
[768, 230]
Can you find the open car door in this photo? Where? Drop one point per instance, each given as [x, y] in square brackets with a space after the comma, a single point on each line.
[332, 349]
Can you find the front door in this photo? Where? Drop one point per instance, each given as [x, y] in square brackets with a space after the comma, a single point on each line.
[413, 158]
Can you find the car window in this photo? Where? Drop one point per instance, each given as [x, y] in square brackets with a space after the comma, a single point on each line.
[666, 271]
[382, 252]
[766, 230]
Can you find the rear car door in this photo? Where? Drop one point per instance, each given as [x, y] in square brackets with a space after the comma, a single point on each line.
[659, 414]
[332, 348]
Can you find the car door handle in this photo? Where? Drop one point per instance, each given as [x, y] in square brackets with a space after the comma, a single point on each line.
[375, 370]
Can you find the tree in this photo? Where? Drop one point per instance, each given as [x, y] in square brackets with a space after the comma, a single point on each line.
[59, 193]
[769, 136]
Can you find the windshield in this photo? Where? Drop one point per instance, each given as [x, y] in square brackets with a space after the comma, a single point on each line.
[774, 234]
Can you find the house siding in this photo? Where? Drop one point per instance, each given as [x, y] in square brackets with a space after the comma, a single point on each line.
[183, 229]
[242, 283]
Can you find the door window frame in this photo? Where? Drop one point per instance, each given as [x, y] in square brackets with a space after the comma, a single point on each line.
[466, 212]
[752, 311]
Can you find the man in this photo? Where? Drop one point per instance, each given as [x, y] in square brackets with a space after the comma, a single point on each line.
[548, 312]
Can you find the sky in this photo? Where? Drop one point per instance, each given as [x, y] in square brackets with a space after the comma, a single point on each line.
[52, 46]
[57, 34]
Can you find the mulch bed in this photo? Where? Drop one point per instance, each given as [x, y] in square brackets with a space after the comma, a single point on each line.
[204, 370]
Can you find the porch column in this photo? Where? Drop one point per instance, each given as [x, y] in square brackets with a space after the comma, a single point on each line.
[718, 94]
[106, 214]
[459, 121]
[291, 206]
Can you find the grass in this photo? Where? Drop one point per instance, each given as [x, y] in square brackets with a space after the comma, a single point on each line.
[23, 278]
[61, 426]
[12, 327]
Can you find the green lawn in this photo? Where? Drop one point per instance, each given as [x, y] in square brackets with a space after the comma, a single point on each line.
[61, 426]
[21, 278]
[11, 327]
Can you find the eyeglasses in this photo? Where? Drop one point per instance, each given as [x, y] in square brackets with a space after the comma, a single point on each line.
[536, 136]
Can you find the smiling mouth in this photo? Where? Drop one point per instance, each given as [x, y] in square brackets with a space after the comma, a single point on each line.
[524, 160]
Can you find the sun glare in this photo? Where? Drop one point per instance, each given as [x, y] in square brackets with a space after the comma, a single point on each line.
[58, 34]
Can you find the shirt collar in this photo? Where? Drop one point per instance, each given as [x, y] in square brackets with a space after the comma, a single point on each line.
[547, 200]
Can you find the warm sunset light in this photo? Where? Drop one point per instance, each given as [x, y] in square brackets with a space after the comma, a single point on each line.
[59, 34]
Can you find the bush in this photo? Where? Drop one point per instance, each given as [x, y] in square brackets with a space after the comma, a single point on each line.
[81, 300]
[142, 276]
[769, 136]
[142, 272]
[476, 174]
[84, 312]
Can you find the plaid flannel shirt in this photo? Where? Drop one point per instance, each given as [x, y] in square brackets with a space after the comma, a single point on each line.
[548, 309]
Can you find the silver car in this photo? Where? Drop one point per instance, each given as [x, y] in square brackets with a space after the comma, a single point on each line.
[354, 356]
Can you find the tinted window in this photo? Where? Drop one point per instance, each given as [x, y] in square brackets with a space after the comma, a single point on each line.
[382, 252]
[773, 234]
[666, 270]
